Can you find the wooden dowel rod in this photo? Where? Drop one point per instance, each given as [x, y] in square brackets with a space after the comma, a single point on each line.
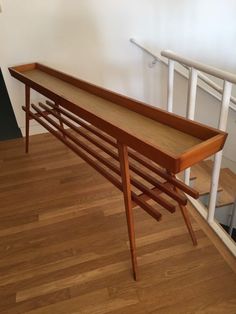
[166, 204]
[176, 196]
[76, 150]
[59, 116]
[85, 125]
[157, 198]
[154, 213]
[27, 117]
[85, 147]
[46, 112]
[188, 190]
[82, 133]
[187, 221]
[163, 202]
[149, 209]
[161, 186]
[160, 172]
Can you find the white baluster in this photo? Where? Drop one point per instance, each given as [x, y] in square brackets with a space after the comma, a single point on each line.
[170, 86]
[218, 157]
[191, 104]
[231, 224]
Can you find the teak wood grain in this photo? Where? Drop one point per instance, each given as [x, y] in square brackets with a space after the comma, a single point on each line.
[172, 141]
[125, 175]
[167, 139]
[109, 140]
[178, 197]
[64, 244]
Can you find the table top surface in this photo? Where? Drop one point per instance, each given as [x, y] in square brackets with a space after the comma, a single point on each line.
[150, 131]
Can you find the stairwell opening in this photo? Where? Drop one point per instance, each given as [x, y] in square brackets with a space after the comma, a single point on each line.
[8, 125]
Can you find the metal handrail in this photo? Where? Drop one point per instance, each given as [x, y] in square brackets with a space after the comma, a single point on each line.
[201, 76]
[155, 57]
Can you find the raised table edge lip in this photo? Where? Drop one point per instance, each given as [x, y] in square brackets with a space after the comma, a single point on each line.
[173, 162]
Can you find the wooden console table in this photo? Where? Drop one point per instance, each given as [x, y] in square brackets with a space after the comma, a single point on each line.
[136, 147]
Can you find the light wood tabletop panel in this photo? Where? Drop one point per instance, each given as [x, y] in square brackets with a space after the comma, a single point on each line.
[156, 133]
[168, 139]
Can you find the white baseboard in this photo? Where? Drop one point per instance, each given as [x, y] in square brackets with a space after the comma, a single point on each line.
[35, 128]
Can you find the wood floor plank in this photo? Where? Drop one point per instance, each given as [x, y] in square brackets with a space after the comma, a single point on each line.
[92, 306]
[64, 244]
[70, 281]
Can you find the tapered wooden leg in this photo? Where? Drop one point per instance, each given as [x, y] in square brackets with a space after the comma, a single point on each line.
[124, 165]
[27, 117]
[185, 215]
[59, 115]
[184, 212]
[187, 221]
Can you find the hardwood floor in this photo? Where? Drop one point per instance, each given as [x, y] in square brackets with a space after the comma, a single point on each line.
[64, 244]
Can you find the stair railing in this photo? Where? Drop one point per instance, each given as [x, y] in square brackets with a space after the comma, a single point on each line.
[229, 79]
[195, 72]
[232, 219]
[201, 76]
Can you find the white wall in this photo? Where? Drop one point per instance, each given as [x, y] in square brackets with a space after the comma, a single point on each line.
[87, 38]
[204, 30]
[90, 39]
[200, 30]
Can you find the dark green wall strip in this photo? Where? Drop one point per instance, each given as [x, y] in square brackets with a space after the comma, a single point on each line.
[8, 124]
